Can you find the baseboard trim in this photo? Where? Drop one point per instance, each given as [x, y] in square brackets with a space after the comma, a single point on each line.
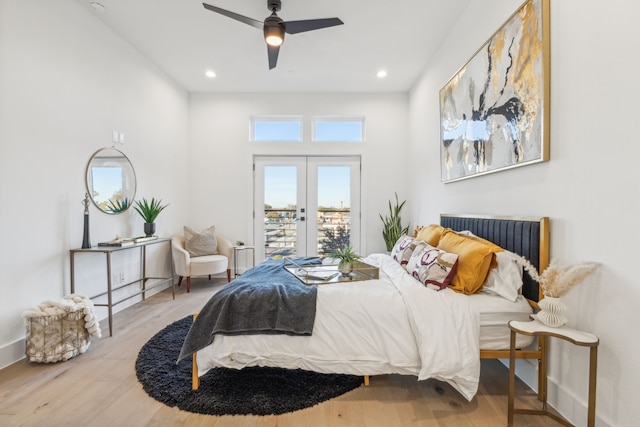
[560, 399]
[12, 353]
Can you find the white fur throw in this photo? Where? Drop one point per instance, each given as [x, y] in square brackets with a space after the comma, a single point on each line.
[58, 329]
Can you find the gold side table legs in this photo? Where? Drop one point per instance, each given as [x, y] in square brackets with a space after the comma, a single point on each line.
[535, 328]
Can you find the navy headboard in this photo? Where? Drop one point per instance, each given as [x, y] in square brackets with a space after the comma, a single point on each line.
[526, 236]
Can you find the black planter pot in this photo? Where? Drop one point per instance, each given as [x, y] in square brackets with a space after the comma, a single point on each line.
[149, 228]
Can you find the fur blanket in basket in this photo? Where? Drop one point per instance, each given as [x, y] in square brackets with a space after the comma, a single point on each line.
[59, 329]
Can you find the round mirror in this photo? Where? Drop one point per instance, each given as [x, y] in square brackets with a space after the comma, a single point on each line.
[111, 181]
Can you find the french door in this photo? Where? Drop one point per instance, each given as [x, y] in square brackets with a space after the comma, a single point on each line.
[305, 205]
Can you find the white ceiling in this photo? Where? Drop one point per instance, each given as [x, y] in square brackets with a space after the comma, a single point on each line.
[184, 40]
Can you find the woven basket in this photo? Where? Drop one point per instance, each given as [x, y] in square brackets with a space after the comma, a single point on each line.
[56, 338]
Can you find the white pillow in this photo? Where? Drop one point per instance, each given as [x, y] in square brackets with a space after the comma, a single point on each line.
[506, 279]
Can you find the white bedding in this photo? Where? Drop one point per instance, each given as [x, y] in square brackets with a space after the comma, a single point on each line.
[385, 326]
[495, 313]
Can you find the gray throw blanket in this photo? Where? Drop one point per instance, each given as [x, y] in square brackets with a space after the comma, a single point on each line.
[266, 299]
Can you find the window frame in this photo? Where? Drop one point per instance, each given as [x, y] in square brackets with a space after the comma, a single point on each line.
[338, 119]
[253, 119]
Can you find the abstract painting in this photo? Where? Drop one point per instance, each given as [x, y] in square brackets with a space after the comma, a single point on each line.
[494, 112]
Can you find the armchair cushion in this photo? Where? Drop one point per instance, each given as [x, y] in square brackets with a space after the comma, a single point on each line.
[201, 244]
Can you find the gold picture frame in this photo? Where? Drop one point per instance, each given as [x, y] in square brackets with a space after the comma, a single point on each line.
[494, 112]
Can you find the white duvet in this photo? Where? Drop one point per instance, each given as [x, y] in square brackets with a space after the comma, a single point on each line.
[392, 325]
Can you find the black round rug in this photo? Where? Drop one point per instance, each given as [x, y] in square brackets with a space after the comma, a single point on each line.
[255, 390]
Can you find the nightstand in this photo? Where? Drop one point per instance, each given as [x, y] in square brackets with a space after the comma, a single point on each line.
[540, 330]
[236, 251]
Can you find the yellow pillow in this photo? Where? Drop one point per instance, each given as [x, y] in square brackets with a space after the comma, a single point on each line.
[430, 234]
[474, 260]
[495, 248]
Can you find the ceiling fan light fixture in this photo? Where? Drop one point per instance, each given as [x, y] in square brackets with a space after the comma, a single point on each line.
[274, 36]
[274, 27]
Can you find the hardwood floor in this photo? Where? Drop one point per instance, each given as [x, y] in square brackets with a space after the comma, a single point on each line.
[99, 387]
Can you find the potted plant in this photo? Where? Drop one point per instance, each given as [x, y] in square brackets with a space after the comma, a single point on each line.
[346, 257]
[556, 282]
[392, 224]
[149, 211]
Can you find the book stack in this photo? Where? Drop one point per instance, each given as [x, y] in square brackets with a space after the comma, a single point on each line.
[117, 243]
[144, 239]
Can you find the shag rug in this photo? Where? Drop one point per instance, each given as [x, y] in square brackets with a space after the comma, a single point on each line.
[249, 391]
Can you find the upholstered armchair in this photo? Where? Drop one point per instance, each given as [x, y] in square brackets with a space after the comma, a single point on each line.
[187, 265]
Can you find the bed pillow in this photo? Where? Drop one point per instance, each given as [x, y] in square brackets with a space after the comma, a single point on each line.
[474, 260]
[506, 279]
[432, 267]
[202, 243]
[403, 249]
[430, 234]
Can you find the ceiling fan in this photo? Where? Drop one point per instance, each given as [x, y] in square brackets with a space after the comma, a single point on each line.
[274, 27]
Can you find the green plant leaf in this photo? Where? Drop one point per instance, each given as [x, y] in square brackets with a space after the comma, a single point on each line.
[149, 210]
[345, 255]
[392, 224]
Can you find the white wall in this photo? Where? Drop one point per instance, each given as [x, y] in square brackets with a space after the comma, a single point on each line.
[220, 153]
[588, 189]
[66, 82]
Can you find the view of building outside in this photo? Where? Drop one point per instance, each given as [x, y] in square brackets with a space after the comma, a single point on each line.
[333, 218]
[281, 230]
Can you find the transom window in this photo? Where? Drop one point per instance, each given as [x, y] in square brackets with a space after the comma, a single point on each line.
[276, 128]
[338, 129]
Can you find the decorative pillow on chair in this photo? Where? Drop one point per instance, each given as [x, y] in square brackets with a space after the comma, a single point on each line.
[433, 267]
[403, 249]
[200, 244]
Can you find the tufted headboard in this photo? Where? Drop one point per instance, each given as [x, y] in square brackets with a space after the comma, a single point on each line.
[526, 236]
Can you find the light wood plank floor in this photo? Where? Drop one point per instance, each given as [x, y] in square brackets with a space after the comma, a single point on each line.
[99, 387]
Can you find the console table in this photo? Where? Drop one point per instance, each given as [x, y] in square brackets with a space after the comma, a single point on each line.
[107, 251]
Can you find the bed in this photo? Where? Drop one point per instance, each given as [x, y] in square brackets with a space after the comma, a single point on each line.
[396, 325]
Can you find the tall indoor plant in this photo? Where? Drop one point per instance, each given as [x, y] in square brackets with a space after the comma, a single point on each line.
[392, 224]
[149, 211]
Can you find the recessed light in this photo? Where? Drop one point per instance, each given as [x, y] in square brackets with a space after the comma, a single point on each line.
[382, 74]
[98, 7]
[211, 74]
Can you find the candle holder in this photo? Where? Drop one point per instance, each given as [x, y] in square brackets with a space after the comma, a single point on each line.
[86, 240]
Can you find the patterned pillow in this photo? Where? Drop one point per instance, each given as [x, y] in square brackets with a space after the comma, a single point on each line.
[403, 249]
[200, 244]
[433, 267]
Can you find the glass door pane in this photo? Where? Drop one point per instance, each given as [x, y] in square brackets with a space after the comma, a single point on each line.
[306, 206]
[280, 205]
[280, 188]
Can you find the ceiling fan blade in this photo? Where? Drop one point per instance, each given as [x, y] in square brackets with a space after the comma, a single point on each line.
[293, 27]
[273, 55]
[243, 19]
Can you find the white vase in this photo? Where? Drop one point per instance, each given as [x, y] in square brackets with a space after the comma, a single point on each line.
[552, 312]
